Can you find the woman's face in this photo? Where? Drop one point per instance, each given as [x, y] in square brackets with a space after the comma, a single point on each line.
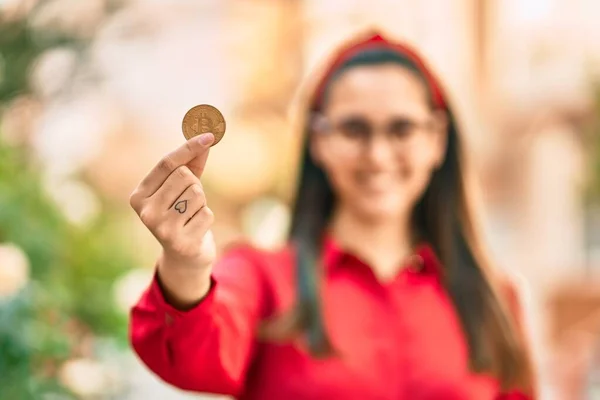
[378, 140]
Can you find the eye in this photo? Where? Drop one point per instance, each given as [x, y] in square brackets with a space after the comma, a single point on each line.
[401, 128]
[355, 128]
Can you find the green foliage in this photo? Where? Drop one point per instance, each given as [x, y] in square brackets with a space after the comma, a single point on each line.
[73, 268]
[20, 45]
[73, 271]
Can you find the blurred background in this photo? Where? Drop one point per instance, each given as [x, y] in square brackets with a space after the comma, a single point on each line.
[92, 94]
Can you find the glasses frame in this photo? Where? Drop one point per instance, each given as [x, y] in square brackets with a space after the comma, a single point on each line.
[321, 124]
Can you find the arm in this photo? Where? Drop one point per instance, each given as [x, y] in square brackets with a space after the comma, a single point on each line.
[194, 327]
[208, 347]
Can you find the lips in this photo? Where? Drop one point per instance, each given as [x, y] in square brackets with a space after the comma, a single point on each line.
[377, 182]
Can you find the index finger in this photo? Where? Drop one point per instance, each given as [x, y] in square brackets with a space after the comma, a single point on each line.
[193, 152]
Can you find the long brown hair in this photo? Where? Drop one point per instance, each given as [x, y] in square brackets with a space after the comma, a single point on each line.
[441, 217]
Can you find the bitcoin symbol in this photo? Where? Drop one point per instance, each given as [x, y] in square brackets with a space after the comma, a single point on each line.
[202, 119]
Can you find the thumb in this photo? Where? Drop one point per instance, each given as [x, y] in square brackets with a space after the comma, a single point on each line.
[197, 164]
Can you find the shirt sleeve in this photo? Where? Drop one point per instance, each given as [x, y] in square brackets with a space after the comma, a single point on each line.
[515, 395]
[208, 348]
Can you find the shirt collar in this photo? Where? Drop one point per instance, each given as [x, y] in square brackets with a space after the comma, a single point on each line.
[423, 260]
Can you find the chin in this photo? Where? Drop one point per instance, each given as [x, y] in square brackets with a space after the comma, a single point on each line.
[381, 210]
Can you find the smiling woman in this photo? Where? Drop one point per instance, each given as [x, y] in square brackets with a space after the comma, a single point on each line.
[378, 148]
[382, 292]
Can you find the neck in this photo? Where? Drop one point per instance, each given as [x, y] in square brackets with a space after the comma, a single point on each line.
[382, 244]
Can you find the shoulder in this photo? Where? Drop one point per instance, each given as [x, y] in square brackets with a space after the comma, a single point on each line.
[515, 292]
[519, 306]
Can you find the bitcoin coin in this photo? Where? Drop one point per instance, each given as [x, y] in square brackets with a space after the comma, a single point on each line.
[202, 119]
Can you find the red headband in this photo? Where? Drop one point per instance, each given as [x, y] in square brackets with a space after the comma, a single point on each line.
[377, 41]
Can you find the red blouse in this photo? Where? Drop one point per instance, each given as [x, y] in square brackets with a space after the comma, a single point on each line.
[398, 340]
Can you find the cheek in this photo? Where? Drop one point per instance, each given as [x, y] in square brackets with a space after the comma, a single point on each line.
[424, 157]
[339, 173]
[419, 183]
[420, 169]
[342, 176]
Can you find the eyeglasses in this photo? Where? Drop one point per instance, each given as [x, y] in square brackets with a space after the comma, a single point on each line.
[354, 134]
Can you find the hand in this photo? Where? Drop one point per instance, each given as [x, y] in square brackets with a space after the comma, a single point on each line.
[170, 202]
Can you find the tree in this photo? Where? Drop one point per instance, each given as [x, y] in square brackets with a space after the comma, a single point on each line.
[68, 300]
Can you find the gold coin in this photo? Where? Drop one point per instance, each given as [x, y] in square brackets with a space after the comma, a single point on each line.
[202, 119]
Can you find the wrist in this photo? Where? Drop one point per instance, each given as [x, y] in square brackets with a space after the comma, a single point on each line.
[184, 282]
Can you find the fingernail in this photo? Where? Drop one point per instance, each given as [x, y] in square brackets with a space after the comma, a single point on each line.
[206, 138]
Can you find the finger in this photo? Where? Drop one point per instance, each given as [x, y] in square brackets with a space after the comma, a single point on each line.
[186, 205]
[195, 148]
[179, 180]
[198, 163]
[200, 222]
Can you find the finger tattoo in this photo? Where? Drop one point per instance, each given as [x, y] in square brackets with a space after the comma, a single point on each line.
[181, 206]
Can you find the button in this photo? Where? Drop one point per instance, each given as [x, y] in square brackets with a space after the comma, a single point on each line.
[168, 319]
[416, 263]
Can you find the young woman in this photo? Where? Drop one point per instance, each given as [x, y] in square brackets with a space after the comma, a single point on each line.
[382, 293]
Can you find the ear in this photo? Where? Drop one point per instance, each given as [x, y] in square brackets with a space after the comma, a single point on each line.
[440, 130]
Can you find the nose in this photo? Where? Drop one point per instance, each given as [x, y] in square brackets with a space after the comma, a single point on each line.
[379, 151]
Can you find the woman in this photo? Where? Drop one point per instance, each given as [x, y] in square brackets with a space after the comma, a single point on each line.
[382, 292]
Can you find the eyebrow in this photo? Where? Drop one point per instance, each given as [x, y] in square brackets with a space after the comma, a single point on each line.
[393, 118]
